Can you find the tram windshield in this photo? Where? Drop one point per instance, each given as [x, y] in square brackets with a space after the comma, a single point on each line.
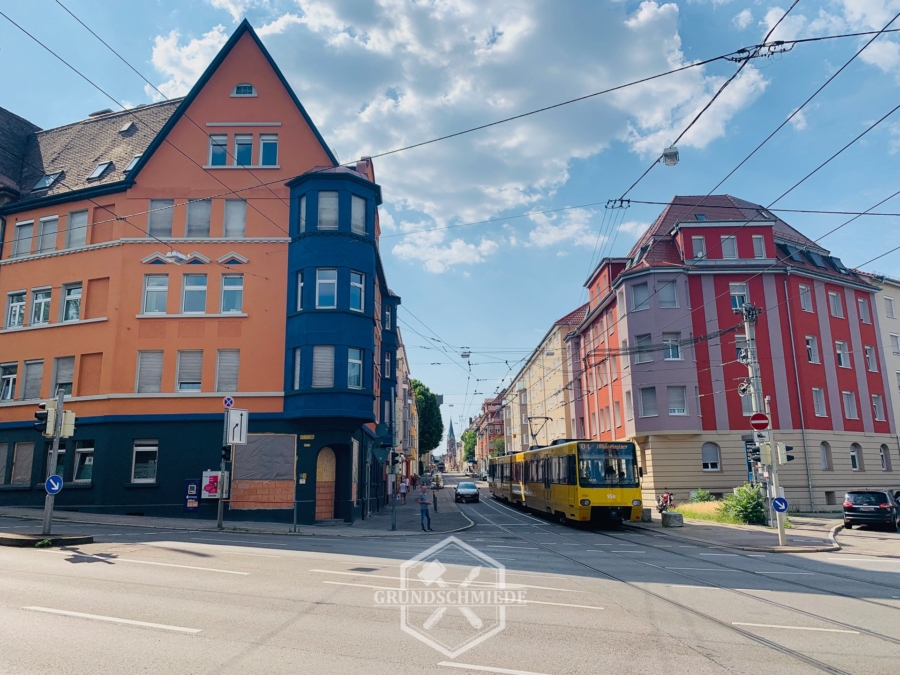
[607, 464]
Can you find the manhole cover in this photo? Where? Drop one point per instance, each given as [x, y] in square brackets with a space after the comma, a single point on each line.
[363, 569]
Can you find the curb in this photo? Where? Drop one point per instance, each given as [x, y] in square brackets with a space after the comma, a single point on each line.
[31, 540]
[755, 549]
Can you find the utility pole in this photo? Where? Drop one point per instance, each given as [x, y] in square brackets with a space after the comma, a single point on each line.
[54, 455]
[392, 465]
[761, 405]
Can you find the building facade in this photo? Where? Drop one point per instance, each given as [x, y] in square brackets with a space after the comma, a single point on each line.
[660, 354]
[156, 260]
[451, 456]
[488, 427]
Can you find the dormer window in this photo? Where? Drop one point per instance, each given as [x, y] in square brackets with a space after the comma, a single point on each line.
[132, 163]
[48, 180]
[243, 90]
[129, 127]
[99, 171]
[700, 216]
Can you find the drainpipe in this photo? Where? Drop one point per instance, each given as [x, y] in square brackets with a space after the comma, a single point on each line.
[812, 502]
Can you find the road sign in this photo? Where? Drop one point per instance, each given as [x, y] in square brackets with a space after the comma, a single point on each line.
[53, 486]
[759, 421]
[761, 436]
[228, 402]
[236, 423]
[780, 504]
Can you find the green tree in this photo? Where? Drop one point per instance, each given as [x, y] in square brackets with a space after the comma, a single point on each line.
[469, 440]
[499, 447]
[431, 426]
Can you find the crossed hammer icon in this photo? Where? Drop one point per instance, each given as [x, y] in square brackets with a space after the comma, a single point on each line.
[433, 573]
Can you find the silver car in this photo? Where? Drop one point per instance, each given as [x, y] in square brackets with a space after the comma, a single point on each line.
[467, 492]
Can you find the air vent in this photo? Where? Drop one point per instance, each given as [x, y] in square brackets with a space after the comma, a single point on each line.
[98, 113]
[129, 126]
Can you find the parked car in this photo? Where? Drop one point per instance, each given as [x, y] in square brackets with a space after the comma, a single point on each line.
[872, 507]
[467, 492]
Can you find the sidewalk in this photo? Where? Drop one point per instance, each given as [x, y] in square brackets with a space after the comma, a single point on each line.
[809, 535]
[448, 519]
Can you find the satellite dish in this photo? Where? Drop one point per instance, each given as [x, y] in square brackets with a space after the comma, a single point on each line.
[381, 429]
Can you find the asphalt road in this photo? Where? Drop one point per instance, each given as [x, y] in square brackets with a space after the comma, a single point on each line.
[158, 601]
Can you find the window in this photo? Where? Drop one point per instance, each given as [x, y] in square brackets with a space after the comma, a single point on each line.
[668, 296]
[159, 220]
[699, 246]
[825, 456]
[22, 242]
[358, 214]
[864, 310]
[299, 291]
[895, 343]
[629, 408]
[156, 291]
[885, 458]
[856, 458]
[326, 289]
[387, 317]
[65, 375]
[738, 295]
[243, 90]
[198, 213]
[834, 301]
[149, 372]
[671, 346]
[617, 411]
[243, 149]
[626, 361]
[71, 302]
[805, 299]
[23, 458]
[648, 402]
[99, 170]
[47, 237]
[34, 373]
[889, 308]
[303, 213]
[387, 364]
[878, 407]
[8, 374]
[83, 470]
[843, 356]
[40, 307]
[328, 211]
[235, 225]
[296, 367]
[759, 246]
[729, 247]
[819, 402]
[850, 412]
[357, 291]
[871, 361]
[227, 366]
[710, 456]
[60, 459]
[323, 366]
[47, 180]
[640, 297]
[15, 311]
[218, 149]
[700, 217]
[812, 349]
[747, 405]
[677, 400]
[144, 459]
[132, 163]
[193, 299]
[232, 293]
[190, 370]
[354, 368]
[76, 232]
[268, 149]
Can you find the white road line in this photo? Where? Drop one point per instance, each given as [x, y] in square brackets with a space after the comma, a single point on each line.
[521, 548]
[849, 559]
[147, 562]
[703, 569]
[756, 555]
[733, 555]
[629, 551]
[769, 625]
[112, 619]
[689, 586]
[785, 572]
[474, 583]
[559, 604]
[237, 541]
[488, 669]
[223, 552]
[344, 583]
[682, 546]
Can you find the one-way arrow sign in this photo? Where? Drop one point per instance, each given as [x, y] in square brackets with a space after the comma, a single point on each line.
[53, 485]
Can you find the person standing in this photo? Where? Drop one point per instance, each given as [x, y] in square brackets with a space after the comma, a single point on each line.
[423, 507]
[404, 486]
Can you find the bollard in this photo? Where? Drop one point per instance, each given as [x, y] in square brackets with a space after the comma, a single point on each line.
[646, 515]
[671, 519]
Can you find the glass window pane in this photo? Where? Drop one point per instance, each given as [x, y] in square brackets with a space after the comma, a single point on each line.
[328, 211]
[22, 243]
[72, 307]
[268, 150]
[235, 218]
[76, 233]
[159, 220]
[198, 213]
[218, 154]
[243, 150]
[194, 294]
[47, 239]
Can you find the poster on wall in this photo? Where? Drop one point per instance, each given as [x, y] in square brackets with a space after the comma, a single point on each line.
[210, 485]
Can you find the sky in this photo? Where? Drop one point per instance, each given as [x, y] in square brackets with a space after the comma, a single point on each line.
[377, 75]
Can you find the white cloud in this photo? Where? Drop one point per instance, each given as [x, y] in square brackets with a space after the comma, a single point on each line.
[439, 255]
[790, 28]
[633, 228]
[183, 64]
[572, 226]
[894, 142]
[798, 121]
[279, 25]
[237, 8]
[743, 19]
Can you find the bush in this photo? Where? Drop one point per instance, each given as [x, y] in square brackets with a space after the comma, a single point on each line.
[747, 504]
[700, 496]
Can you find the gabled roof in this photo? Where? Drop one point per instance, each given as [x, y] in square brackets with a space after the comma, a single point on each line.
[14, 133]
[573, 318]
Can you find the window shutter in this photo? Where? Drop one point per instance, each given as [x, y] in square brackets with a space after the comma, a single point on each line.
[65, 370]
[323, 366]
[710, 453]
[648, 402]
[235, 218]
[190, 366]
[159, 222]
[328, 210]
[198, 218]
[34, 373]
[358, 215]
[149, 372]
[227, 376]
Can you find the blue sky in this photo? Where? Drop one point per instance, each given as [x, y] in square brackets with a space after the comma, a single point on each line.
[379, 75]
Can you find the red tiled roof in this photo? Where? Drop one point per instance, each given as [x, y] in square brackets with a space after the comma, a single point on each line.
[574, 317]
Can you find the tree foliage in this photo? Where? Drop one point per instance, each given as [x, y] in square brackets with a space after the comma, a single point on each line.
[499, 447]
[431, 426]
[469, 440]
[747, 504]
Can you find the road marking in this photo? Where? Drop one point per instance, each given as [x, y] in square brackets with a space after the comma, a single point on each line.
[628, 551]
[689, 586]
[682, 546]
[733, 555]
[703, 569]
[112, 619]
[521, 548]
[849, 559]
[559, 604]
[769, 625]
[756, 555]
[474, 583]
[147, 562]
[222, 552]
[344, 583]
[237, 541]
[488, 669]
[785, 572]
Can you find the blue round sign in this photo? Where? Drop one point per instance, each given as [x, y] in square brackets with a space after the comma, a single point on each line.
[780, 504]
[53, 485]
[228, 402]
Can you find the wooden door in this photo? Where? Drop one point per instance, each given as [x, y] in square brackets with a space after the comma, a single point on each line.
[325, 473]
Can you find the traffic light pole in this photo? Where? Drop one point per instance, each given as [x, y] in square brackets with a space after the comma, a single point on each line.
[392, 465]
[220, 492]
[54, 456]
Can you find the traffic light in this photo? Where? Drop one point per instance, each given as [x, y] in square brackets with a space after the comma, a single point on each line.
[753, 454]
[783, 456]
[46, 418]
[761, 453]
[68, 424]
[226, 453]
[395, 458]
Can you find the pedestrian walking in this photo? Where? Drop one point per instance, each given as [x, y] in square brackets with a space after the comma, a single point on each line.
[415, 481]
[423, 507]
[403, 488]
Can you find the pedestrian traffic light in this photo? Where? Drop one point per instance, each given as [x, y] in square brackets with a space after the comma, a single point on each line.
[68, 424]
[783, 456]
[46, 418]
[226, 453]
[753, 453]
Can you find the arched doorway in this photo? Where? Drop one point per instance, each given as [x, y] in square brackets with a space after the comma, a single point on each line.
[325, 471]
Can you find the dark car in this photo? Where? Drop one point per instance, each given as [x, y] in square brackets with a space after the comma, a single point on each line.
[466, 492]
[872, 507]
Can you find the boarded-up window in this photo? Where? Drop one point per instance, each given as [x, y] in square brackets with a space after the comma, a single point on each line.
[22, 461]
[34, 373]
[323, 366]
[149, 366]
[227, 370]
[97, 297]
[235, 218]
[198, 213]
[89, 374]
[265, 457]
[102, 227]
[328, 211]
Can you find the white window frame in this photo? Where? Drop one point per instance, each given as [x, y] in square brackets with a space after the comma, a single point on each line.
[178, 382]
[855, 464]
[629, 406]
[235, 94]
[144, 445]
[21, 245]
[156, 289]
[835, 306]
[232, 289]
[238, 210]
[864, 314]
[849, 396]
[387, 365]
[323, 349]
[81, 449]
[878, 407]
[388, 318]
[732, 240]
[219, 385]
[47, 240]
[8, 381]
[712, 465]
[358, 362]
[675, 411]
[297, 362]
[19, 307]
[806, 303]
[842, 354]
[617, 414]
[322, 282]
[671, 345]
[645, 413]
[645, 303]
[738, 290]
[895, 343]
[357, 215]
[812, 349]
[300, 290]
[819, 404]
[264, 140]
[162, 211]
[194, 289]
[699, 252]
[361, 286]
[153, 387]
[666, 303]
[218, 141]
[243, 140]
[41, 305]
[69, 295]
[889, 307]
[871, 359]
[759, 246]
[54, 390]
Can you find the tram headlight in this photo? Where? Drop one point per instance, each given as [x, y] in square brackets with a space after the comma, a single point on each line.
[585, 502]
[635, 502]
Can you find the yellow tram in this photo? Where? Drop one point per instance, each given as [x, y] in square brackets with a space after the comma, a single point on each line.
[578, 481]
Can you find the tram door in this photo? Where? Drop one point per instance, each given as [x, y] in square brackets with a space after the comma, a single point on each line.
[546, 476]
